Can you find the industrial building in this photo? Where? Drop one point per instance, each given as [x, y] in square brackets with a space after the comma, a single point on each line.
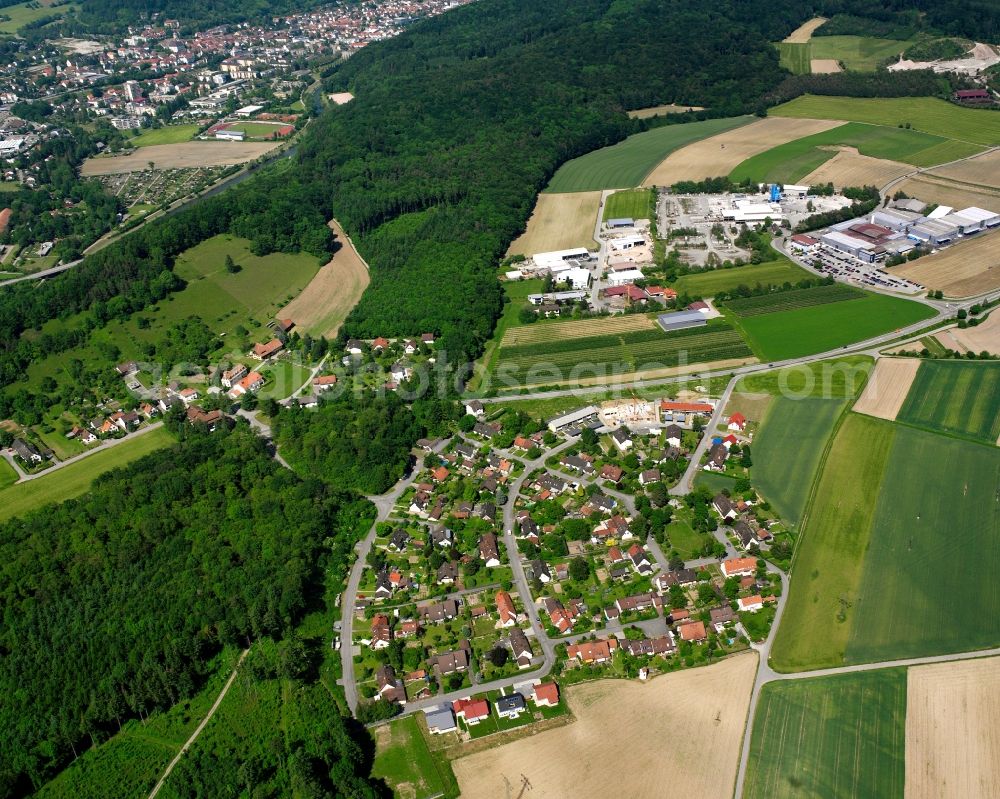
[557, 296]
[624, 276]
[586, 417]
[934, 231]
[624, 222]
[577, 277]
[558, 260]
[752, 211]
[681, 320]
[627, 243]
[895, 219]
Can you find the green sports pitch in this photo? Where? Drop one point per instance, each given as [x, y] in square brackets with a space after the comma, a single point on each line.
[957, 398]
[625, 164]
[843, 735]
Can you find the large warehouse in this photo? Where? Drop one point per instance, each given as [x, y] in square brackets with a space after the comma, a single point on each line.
[559, 259]
[681, 320]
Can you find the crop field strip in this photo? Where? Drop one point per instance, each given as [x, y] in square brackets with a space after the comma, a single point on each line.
[708, 282]
[582, 328]
[955, 398]
[640, 349]
[830, 736]
[791, 300]
[858, 53]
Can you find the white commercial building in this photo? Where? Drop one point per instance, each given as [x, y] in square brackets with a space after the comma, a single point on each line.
[624, 277]
[744, 210]
[557, 260]
[577, 277]
[10, 146]
[626, 243]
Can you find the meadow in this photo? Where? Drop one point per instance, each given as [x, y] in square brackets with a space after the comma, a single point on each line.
[795, 57]
[837, 378]
[710, 282]
[624, 352]
[822, 600]
[956, 398]
[843, 735]
[806, 331]
[928, 586]
[169, 134]
[128, 764]
[792, 300]
[625, 164]
[73, 480]
[405, 762]
[7, 474]
[788, 449]
[17, 16]
[687, 542]
[791, 162]
[927, 114]
[516, 295]
[631, 204]
[858, 53]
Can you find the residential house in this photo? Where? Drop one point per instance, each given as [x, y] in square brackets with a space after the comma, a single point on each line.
[737, 422]
[639, 560]
[418, 505]
[383, 586]
[505, 607]
[746, 535]
[445, 610]
[427, 338]
[721, 616]
[471, 711]
[411, 347]
[447, 573]
[380, 344]
[26, 451]
[739, 567]
[520, 648]
[324, 383]
[486, 430]
[188, 395]
[523, 444]
[381, 635]
[453, 662]
[614, 528]
[208, 418]
[440, 720]
[692, 631]
[486, 511]
[611, 472]
[648, 647]
[474, 408]
[587, 652]
[511, 706]
[354, 347]
[576, 463]
[725, 507]
[489, 550]
[540, 571]
[546, 694]
[441, 536]
[408, 628]
[439, 474]
[251, 383]
[750, 604]
[388, 686]
[638, 603]
[233, 374]
[649, 476]
[717, 456]
[622, 439]
[268, 350]
[674, 435]
[399, 539]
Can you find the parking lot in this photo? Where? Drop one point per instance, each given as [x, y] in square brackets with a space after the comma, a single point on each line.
[847, 268]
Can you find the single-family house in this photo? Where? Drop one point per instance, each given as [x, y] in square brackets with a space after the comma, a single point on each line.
[434, 612]
[26, 451]
[474, 408]
[649, 476]
[489, 550]
[725, 507]
[447, 573]
[739, 567]
[737, 422]
[354, 347]
[520, 648]
[639, 560]
[506, 610]
[545, 694]
[511, 706]
[471, 711]
[389, 687]
[692, 631]
[673, 435]
[440, 720]
[381, 635]
[611, 472]
[649, 647]
[587, 652]
[622, 439]
[188, 395]
[750, 604]
[453, 662]
[721, 616]
[399, 539]
[324, 383]
[268, 350]
[540, 571]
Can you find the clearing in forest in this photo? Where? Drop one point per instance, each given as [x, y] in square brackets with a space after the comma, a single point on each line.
[887, 387]
[559, 222]
[663, 110]
[708, 704]
[804, 32]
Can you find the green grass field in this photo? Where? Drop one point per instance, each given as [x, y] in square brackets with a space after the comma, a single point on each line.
[75, 479]
[171, 134]
[20, 15]
[516, 297]
[795, 299]
[624, 165]
[687, 541]
[129, 764]
[633, 204]
[7, 474]
[837, 378]
[806, 331]
[714, 481]
[788, 449]
[927, 114]
[826, 571]
[795, 57]
[772, 273]
[929, 585]
[409, 767]
[957, 398]
[794, 160]
[858, 53]
[830, 737]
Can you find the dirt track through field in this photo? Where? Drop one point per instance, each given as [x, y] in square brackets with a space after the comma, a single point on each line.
[719, 155]
[678, 735]
[328, 298]
[824, 66]
[186, 155]
[964, 269]
[985, 336]
[849, 168]
[952, 734]
[887, 387]
[559, 222]
[804, 32]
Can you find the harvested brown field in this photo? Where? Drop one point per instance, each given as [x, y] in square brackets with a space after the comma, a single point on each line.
[720, 154]
[651, 374]
[804, 32]
[824, 66]
[952, 735]
[849, 168]
[984, 170]
[887, 387]
[964, 269]
[660, 110]
[328, 298]
[580, 328]
[186, 155]
[933, 189]
[559, 222]
[678, 735]
[984, 336]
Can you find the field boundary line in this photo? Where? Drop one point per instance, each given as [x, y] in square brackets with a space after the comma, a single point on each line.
[642, 183]
[208, 717]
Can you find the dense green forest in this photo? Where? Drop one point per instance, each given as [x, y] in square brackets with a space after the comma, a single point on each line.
[114, 603]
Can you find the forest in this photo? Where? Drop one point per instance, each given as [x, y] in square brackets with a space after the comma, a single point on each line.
[114, 603]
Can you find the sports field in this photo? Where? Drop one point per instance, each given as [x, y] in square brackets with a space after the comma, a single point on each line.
[823, 596]
[794, 160]
[840, 736]
[624, 165]
[559, 222]
[722, 153]
[927, 114]
[956, 397]
[928, 585]
[169, 134]
[858, 53]
[322, 306]
[404, 761]
[710, 282]
[689, 739]
[964, 269]
[809, 330]
[261, 130]
[788, 449]
[631, 204]
[615, 350]
[73, 480]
